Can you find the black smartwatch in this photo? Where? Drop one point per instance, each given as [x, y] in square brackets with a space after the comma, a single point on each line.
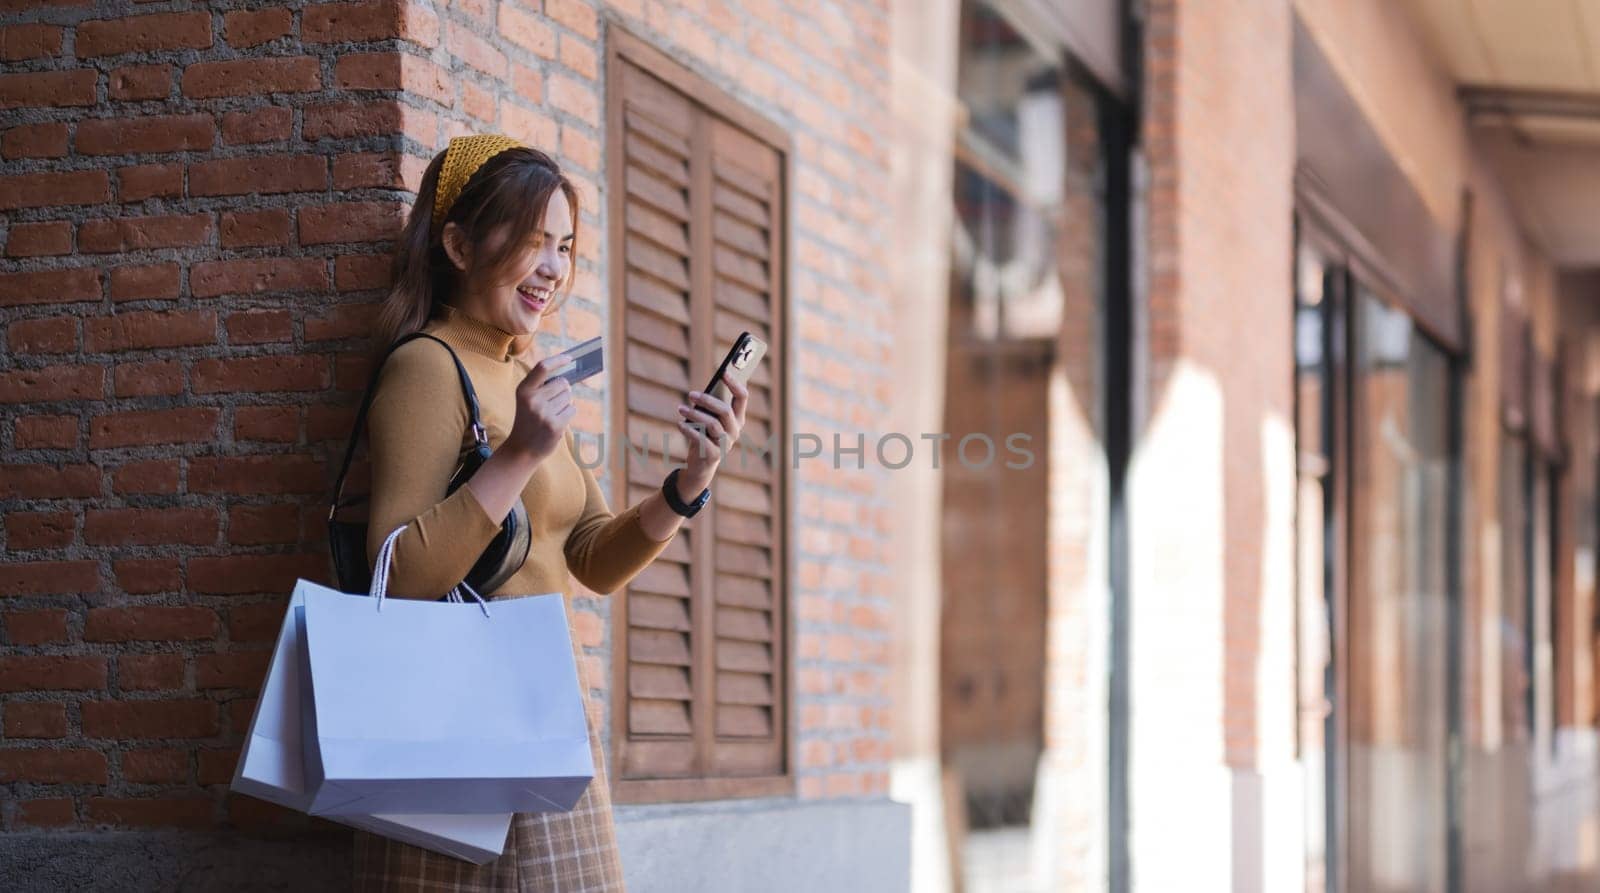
[669, 489]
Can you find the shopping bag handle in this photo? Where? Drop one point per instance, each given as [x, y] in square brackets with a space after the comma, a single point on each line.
[380, 576]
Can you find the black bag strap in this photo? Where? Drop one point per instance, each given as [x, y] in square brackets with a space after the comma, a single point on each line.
[476, 421]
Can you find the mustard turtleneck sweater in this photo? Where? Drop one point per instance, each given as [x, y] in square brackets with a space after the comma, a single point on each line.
[417, 429]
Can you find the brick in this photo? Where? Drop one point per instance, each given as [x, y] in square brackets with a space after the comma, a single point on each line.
[580, 150]
[147, 576]
[478, 102]
[189, 424]
[20, 481]
[144, 33]
[325, 423]
[251, 77]
[576, 98]
[149, 328]
[241, 669]
[162, 812]
[145, 282]
[150, 623]
[141, 233]
[55, 334]
[258, 174]
[49, 188]
[255, 623]
[529, 83]
[240, 710]
[396, 71]
[42, 765]
[48, 89]
[153, 379]
[376, 170]
[141, 181]
[259, 374]
[49, 383]
[214, 279]
[149, 719]
[255, 525]
[351, 119]
[369, 71]
[248, 29]
[352, 371]
[260, 327]
[361, 272]
[146, 477]
[248, 229]
[49, 287]
[536, 128]
[39, 239]
[343, 321]
[528, 31]
[218, 766]
[150, 672]
[351, 222]
[250, 813]
[156, 766]
[32, 41]
[245, 574]
[151, 527]
[268, 124]
[580, 57]
[35, 141]
[274, 424]
[33, 719]
[49, 578]
[476, 52]
[145, 134]
[52, 672]
[578, 15]
[135, 82]
[45, 432]
[255, 474]
[341, 22]
[39, 530]
[48, 812]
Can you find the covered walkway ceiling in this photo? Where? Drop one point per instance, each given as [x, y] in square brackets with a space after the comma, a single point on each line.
[1529, 75]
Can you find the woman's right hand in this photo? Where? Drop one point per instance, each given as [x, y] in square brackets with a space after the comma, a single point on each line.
[544, 410]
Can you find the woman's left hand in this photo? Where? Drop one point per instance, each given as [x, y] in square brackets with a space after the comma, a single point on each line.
[712, 427]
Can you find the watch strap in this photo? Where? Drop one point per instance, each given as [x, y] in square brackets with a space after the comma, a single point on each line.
[669, 489]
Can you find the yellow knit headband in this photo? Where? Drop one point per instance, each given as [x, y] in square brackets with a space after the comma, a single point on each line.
[462, 158]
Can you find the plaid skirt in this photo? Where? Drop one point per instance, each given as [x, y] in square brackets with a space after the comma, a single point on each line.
[546, 852]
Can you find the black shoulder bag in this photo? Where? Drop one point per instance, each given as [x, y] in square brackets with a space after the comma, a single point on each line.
[347, 540]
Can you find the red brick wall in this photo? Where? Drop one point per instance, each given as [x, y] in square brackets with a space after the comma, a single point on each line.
[195, 206]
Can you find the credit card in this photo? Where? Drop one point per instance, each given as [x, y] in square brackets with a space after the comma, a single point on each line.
[587, 360]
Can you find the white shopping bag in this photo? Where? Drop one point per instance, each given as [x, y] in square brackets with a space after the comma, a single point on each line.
[271, 768]
[438, 707]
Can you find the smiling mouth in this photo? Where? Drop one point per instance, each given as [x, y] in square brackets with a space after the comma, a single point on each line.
[534, 295]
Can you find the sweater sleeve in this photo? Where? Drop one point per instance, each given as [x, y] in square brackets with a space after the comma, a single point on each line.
[415, 428]
[605, 551]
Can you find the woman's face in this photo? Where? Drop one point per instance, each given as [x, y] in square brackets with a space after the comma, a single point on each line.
[518, 304]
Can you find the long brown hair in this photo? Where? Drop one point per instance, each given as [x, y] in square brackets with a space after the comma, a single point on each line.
[512, 188]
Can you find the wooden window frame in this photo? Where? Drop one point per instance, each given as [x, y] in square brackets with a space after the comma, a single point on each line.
[622, 46]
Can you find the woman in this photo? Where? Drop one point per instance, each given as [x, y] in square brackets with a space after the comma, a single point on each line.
[485, 257]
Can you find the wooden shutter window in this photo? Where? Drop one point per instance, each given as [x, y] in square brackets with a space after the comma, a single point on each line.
[699, 704]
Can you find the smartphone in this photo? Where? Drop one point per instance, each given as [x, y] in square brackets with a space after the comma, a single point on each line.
[739, 364]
